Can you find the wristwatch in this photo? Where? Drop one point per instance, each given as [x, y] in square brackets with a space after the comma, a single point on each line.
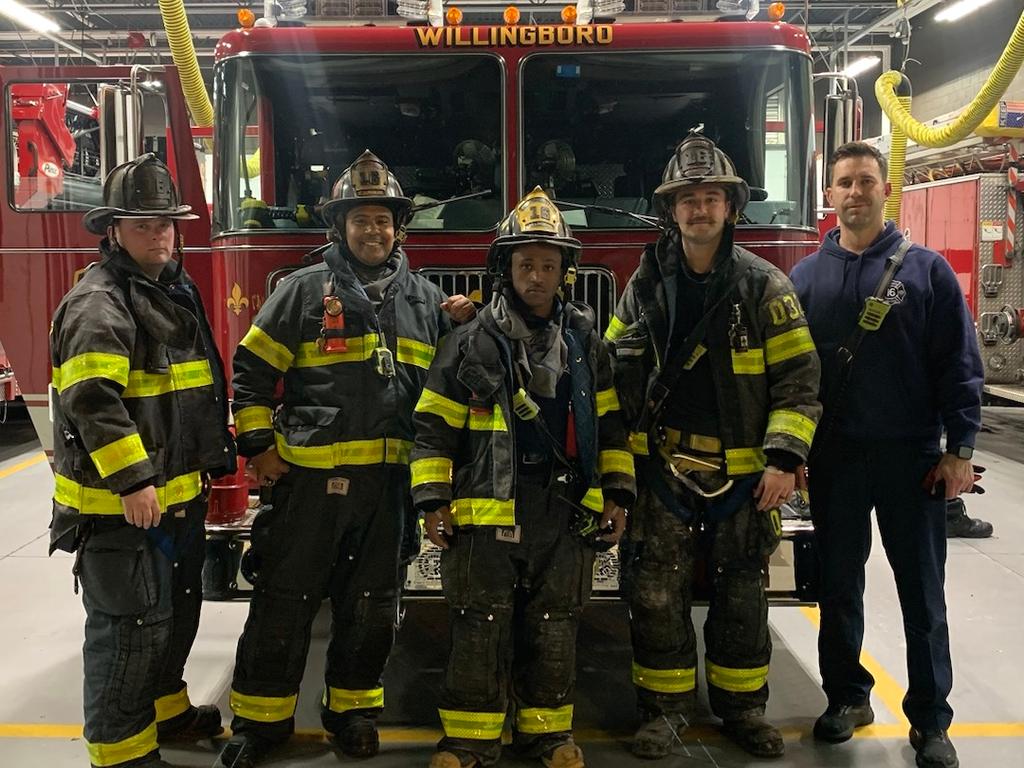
[961, 451]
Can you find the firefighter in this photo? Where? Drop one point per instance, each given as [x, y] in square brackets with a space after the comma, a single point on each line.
[352, 339]
[716, 339]
[518, 439]
[140, 416]
[916, 371]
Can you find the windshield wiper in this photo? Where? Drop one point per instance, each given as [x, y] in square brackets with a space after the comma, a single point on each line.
[651, 221]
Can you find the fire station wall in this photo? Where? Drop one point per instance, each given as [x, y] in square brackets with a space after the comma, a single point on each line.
[956, 58]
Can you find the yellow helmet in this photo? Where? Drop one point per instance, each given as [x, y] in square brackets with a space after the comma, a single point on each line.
[535, 219]
[698, 161]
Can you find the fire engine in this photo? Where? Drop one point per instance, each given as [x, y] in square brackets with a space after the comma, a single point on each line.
[590, 111]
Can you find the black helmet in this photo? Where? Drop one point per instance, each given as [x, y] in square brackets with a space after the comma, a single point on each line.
[536, 219]
[141, 188]
[367, 182]
[698, 161]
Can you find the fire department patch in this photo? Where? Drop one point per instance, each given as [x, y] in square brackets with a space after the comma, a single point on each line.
[895, 293]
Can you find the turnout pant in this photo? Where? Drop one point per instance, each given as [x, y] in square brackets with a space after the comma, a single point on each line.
[330, 533]
[514, 614]
[846, 482]
[662, 554]
[142, 592]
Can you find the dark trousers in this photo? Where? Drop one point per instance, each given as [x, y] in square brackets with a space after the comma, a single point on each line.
[330, 533]
[663, 552]
[514, 615]
[846, 482]
[142, 592]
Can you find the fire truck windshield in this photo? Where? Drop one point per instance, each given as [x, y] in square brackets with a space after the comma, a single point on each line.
[288, 125]
[598, 128]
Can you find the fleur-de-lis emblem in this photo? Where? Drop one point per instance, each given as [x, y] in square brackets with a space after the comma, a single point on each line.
[236, 301]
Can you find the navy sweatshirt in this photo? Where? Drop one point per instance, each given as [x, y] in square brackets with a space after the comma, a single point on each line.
[921, 371]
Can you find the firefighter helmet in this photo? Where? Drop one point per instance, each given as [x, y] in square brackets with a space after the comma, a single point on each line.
[698, 161]
[140, 188]
[536, 219]
[366, 182]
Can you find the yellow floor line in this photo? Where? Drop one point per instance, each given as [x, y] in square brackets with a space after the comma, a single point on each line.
[583, 735]
[22, 465]
[888, 691]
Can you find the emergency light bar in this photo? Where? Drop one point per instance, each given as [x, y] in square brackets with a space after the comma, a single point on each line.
[438, 13]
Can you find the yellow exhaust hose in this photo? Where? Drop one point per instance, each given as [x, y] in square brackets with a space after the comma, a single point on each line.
[897, 161]
[179, 37]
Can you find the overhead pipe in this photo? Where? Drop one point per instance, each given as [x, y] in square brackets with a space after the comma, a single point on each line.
[179, 38]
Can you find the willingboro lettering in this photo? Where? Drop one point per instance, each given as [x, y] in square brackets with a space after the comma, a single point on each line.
[458, 37]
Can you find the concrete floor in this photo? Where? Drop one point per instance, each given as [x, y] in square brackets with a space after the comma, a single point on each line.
[41, 636]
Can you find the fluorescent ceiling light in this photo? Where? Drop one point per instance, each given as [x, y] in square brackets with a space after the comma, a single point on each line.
[860, 66]
[19, 14]
[959, 9]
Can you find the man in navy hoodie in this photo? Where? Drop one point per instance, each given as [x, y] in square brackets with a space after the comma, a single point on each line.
[917, 374]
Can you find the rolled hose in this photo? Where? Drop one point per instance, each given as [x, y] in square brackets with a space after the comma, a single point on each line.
[179, 37]
[998, 81]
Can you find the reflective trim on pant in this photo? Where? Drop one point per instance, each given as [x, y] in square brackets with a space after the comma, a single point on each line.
[172, 705]
[343, 699]
[544, 720]
[263, 709]
[736, 680]
[471, 725]
[665, 680]
[132, 748]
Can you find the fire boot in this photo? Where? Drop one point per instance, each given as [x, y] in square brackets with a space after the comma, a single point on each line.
[960, 526]
[451, 760]
[195, 723]
[566, 755]
[243, 750]
[756, 736]
[358, 737]
[656, 737]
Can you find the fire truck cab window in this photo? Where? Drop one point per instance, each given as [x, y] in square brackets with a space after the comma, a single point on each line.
[57, 159]
[287, 126]
[598, 128]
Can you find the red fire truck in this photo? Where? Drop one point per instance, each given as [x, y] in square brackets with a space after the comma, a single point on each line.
[591, 112]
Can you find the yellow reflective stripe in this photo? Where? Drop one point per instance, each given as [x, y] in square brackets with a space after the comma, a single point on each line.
[384, 450]
[263, 709]
[443, 407]
[91, 365]
[252, 418]
[736, 680]
[436, 470]
[665, 680]
[483, 512]
[472, 725]
[272, 352]
[483, 420]
[696, 355]
[593, 499]
[637, 443]
[607, 400]
[749, 362]
[787, 345]
[346, 699]
[195, 373]
[615, 461]
[132, 748]
[791, 423]
[414, 352]
[99, 501]
[359, 348]
[616, 329]
[544, 720]
[172, 705]
[115, 456]
[744, 461]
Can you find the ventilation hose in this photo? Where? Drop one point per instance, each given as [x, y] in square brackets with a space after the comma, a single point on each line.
[179, 37]
[897, 157]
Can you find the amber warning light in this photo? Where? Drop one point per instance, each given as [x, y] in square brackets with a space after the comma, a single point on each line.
[776, 11]
[246, 18]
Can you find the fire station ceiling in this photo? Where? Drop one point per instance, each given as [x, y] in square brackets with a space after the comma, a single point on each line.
[118, 31]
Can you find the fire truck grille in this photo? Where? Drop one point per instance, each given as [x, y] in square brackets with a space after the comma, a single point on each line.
[595, 286]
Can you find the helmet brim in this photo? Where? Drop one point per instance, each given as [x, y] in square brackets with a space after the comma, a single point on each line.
[740, 189]
[98, 219]
[332, 209]
[510, 241]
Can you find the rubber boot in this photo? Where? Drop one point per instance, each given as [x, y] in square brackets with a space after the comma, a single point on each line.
[656, 737]
[358, 737]
[756, 736]
[195, 723]
[566, 755]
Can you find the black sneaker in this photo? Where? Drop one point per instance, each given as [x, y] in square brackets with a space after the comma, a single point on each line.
[934, 749]
[358, 737]
[195, 723]
[839, 721]
[243, 750]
